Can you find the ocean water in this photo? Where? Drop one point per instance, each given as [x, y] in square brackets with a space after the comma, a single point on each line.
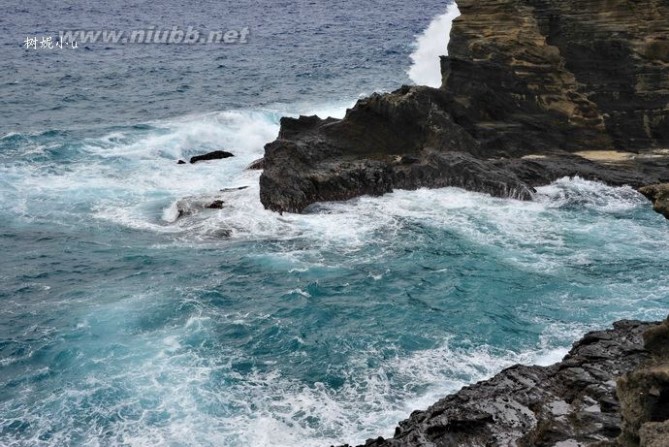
[124, 325]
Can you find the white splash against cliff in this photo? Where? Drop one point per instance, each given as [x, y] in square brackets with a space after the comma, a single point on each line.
[432, 43]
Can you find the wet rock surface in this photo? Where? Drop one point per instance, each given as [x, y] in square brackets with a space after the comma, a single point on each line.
[527, 86]
[571, 403]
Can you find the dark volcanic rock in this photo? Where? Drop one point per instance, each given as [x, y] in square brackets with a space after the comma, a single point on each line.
[659, 195]
[570, 403]
[181, 162]
[216, 205]
[216, 155]
[523, 78]
[644, 394]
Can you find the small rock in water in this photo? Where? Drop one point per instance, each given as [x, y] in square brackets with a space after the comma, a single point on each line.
[189, 206]
[222, 233]
[239, 188]
[181, 162]
[216, 155]
[258, 164]
[216, 205]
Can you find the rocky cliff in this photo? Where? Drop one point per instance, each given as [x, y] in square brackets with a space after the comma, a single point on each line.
[573, 403]
[568, 74]
[532, 90]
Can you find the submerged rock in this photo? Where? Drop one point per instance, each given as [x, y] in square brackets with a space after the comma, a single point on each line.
[216, 205]
[192, 205]
[571, 403]
[659, 195]
[529, 86]
[215, 155]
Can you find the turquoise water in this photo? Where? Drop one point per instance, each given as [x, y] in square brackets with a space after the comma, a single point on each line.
[122, 324]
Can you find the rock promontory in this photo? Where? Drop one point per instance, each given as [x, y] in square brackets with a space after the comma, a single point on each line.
[532, 90]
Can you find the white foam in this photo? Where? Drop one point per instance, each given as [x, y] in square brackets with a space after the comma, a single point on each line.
[532, 235]
[132, 178]
[582, 193]
[135, 182]
[259, 409]
[185, 393]
[430, 45]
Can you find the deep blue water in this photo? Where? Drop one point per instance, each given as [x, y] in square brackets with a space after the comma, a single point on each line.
[298, 51]
[121, 325]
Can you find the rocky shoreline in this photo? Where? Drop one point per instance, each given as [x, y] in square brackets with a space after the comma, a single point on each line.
[532, 90]
[612, 389]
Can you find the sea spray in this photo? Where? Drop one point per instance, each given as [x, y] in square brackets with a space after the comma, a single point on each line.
[430, 45]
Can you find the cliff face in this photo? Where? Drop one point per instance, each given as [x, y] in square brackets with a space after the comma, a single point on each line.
[539, 78]
[561, 73]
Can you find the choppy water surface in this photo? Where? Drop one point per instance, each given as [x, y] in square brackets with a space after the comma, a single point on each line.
[123, 325]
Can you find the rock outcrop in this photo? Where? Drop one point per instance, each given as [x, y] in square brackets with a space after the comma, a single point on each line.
[659, 195]
[571, 403]
[528, 85]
